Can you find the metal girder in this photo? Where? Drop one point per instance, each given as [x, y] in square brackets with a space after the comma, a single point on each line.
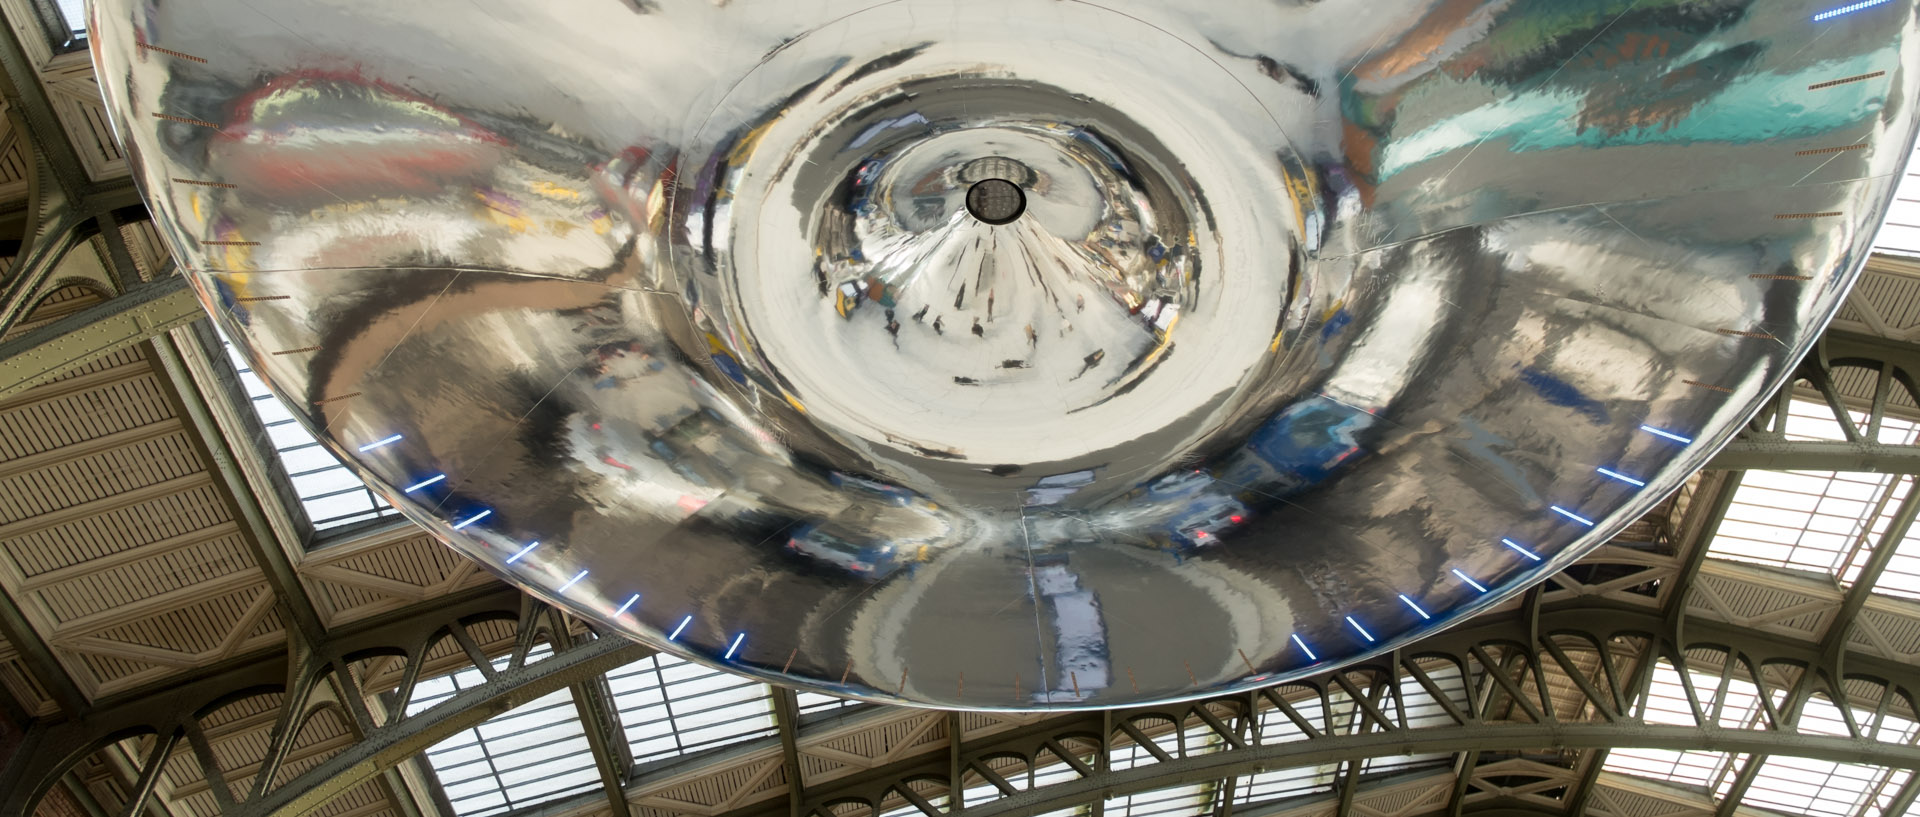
[786, 717]
[268, 551]
[39, 660]
[1486, 737]
[1487, 648]
[143, 312]
[1767, 448]
[599, 720]
[389, 746]
[1816, 455]
[51, 748]
[1833, 653]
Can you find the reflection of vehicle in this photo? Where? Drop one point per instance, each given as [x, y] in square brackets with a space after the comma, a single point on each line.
[1178, 483]
[1055, 489]
[894, 493]
[1204, 521]
[876, 560]
[1303, 446]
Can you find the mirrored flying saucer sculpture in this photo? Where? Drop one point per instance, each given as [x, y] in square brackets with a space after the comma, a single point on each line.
[1017, 354]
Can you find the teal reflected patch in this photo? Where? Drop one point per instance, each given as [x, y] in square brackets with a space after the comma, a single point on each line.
[1752, 109]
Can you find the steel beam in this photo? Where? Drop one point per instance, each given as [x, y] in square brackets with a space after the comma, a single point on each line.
[1484, 737]
[389, 746]
[786, 717]
[39, 660]
[144, 312]
[52, 747]
[1815, 455]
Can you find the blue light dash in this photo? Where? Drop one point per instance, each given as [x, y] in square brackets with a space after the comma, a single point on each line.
[1573, 516]
[1416, 607]
[378, 443]
[571, 582]
[736, 645]
[1304, 648]
[1848, 9]
[682, 628]
[1667, 434]
[472, 519]
[627, 606]
[1363, 631]
[1523, 551]
[424, 483]
[1608, 472]
[1469, 580]
[523, 551]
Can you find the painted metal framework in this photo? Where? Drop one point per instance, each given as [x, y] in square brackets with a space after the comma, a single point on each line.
[1570, 675]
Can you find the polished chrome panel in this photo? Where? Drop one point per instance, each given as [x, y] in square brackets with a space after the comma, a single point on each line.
[1323, 324]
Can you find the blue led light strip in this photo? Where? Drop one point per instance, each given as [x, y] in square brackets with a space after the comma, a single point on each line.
[1416, 607]
[424, 483]
[1573, 516]
[1523, 551]
[1469, 580]
[1304, 648]
[680, 629]
[627, 606]
[378, 443]
[1667, 434]
[1848, 9]
[736, 645]
[472, 519]
[1363, 631]
[571, 582]
[523, 551]
[1608, 472]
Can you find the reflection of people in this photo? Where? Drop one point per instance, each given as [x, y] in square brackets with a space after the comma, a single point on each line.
[1091, 360]
[978, 331]
[938, 327]
[922, 314]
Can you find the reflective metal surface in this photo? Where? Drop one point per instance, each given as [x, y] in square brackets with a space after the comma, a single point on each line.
[1315, 326]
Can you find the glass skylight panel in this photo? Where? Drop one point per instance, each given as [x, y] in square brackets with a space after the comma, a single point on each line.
[1802, 520]
[1821, 788]
[670, 707]
[1667, 705]
[533, 754]
[1179, 800]
[811, 702]
[1882, 798]
[73, 14]
[1902, 575]
[1901, 234]
[332, 495]
[1281, 784]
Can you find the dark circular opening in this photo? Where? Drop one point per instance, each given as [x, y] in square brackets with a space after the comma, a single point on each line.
[996, 201]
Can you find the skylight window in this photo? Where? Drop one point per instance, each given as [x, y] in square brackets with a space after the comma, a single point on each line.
[1902, 231]
[533, 754]
[672, 707]
[811, 702]
[1667, 705]
[1820, 788]
[332, 495]
[73, 17]
[1821, 521]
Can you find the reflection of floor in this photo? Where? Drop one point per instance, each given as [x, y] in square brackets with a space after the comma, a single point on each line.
[974, 615]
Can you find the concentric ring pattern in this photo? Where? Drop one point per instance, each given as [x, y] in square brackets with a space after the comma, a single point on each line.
[1017, 354]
